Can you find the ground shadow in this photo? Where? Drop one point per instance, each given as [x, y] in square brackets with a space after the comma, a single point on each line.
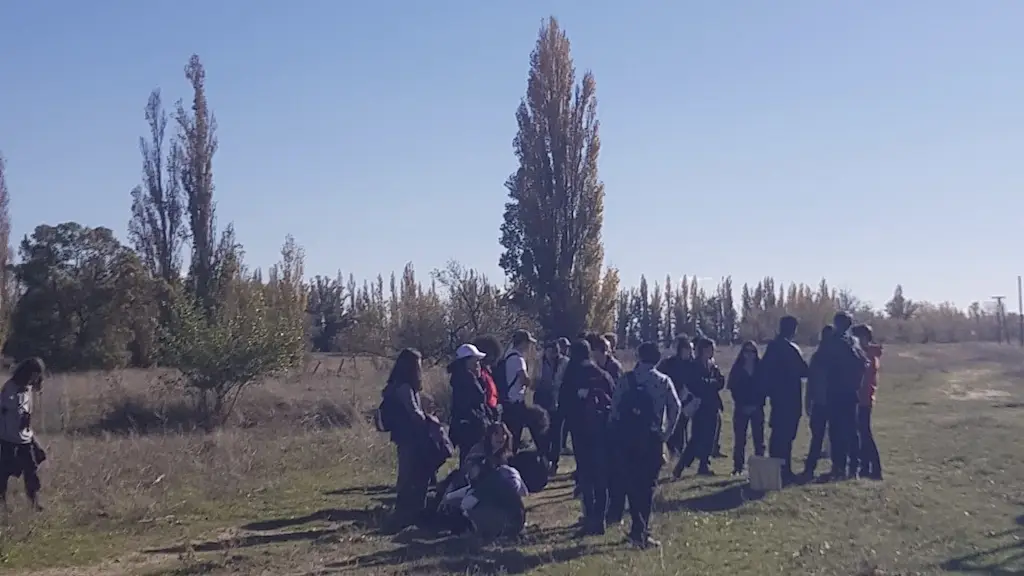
[729, 498]
[368, 518]
[375, 490]
[246, 541]
[1005, 559]
[466, 555]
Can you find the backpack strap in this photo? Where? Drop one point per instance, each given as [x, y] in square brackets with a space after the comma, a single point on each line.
[504, 366]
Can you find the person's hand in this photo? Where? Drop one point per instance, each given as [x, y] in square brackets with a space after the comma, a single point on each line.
[582, 393]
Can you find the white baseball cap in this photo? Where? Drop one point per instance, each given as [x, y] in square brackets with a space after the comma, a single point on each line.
[468, 351]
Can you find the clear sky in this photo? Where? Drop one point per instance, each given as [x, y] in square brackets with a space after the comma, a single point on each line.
[870, 142]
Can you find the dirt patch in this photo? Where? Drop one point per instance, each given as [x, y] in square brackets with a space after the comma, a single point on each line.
[974, 384]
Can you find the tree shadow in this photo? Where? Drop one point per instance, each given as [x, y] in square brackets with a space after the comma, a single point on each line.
[728, 498]
[375, 490]
[466, 555]
[246, 541]
[1004, 559]
[371, 518]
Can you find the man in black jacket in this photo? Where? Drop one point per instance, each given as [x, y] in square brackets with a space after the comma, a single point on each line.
[682, 370]
[783, 368]
[843, 366]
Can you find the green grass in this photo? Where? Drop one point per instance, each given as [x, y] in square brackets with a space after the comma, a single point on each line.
[948, 422]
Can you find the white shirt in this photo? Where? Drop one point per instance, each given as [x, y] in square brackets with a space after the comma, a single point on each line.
[14, 404]
[514, 364]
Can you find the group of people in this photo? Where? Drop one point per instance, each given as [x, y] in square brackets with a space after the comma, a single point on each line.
[620, 422]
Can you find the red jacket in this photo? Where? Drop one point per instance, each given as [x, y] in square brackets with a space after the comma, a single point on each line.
[866, 395]
[490, 388]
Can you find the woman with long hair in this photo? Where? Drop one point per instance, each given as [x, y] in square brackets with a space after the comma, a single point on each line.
[401, 401]
[748, 398]
[491, 349]
[20, 455]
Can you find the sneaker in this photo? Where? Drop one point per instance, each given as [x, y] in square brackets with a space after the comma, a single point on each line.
[738, 472]
[644, 543]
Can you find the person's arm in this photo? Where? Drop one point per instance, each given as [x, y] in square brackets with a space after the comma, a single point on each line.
[620, 392]
[717, 378]
[522, 374]
[673, 408]
[407, 399]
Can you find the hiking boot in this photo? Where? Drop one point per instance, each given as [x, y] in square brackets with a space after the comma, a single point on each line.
[645, 543]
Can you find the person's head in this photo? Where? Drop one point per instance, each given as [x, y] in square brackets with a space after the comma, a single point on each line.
[842, 322]
[863, 333]
[551, 351]
[563, 346]
[491, 347]
[748, 355]
[826, 332]
[469, 356]
[684, 348]
[579, 351]
[598, 347]
[408, 369]
[787, 326]
[498, 440]
[29, 373]
[649, 353]
[613, 341]
[705, 349]
[523, 342]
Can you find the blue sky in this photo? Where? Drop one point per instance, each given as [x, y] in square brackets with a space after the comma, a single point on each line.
[870, 142]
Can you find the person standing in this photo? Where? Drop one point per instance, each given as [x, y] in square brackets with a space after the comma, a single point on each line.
[783, 368]
[515, 383]
[816, 404]
[748, 397]
[844, 363]
[405, 421]
[546, 396]
[645, 409]
[706, 386]
[470, 415]
[870, 460]
[586, 397]
[681, 368]
[491, 348]
[20, 455]
[600, 353]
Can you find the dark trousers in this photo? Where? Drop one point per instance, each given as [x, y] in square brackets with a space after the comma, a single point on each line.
[702, 440]
[556, 437]
[618, 481]
[842, 433]
[644, 464]
[780, 445]
[677, 442]
[716, 451]
[591, 450]
[20, 460]
[744, 417]
[870, 460]
[819, 425]
[514, 417]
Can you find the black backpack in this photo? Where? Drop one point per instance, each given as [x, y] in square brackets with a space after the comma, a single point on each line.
[637, 420]
[500, 375]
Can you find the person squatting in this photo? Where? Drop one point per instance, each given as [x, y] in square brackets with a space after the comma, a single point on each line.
[619, 423]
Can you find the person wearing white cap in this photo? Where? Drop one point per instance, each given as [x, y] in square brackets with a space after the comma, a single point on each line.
[469, 403]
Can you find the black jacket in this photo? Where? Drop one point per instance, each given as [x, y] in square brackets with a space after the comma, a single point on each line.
[682, 372]
[581, 376]
[746, 388]
[708, 383]
[783, 369]
[469, 415]
[843, 366]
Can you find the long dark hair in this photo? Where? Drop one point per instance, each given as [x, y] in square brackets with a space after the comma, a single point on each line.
[738, 362]
[407, 370]
[490, 346]
[29, 372]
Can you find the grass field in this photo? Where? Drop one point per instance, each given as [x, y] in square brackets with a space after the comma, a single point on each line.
[299, 483]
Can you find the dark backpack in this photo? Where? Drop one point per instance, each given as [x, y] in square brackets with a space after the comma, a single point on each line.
[637, 420]
[500, 375]
[384, 417]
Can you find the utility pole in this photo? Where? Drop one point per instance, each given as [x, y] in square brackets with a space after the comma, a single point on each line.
[1000, 317]
[1020, 311]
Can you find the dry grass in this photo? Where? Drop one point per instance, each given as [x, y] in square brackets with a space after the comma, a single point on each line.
[298, 483]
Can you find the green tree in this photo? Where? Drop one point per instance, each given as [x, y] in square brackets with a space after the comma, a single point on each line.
[551, 235]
